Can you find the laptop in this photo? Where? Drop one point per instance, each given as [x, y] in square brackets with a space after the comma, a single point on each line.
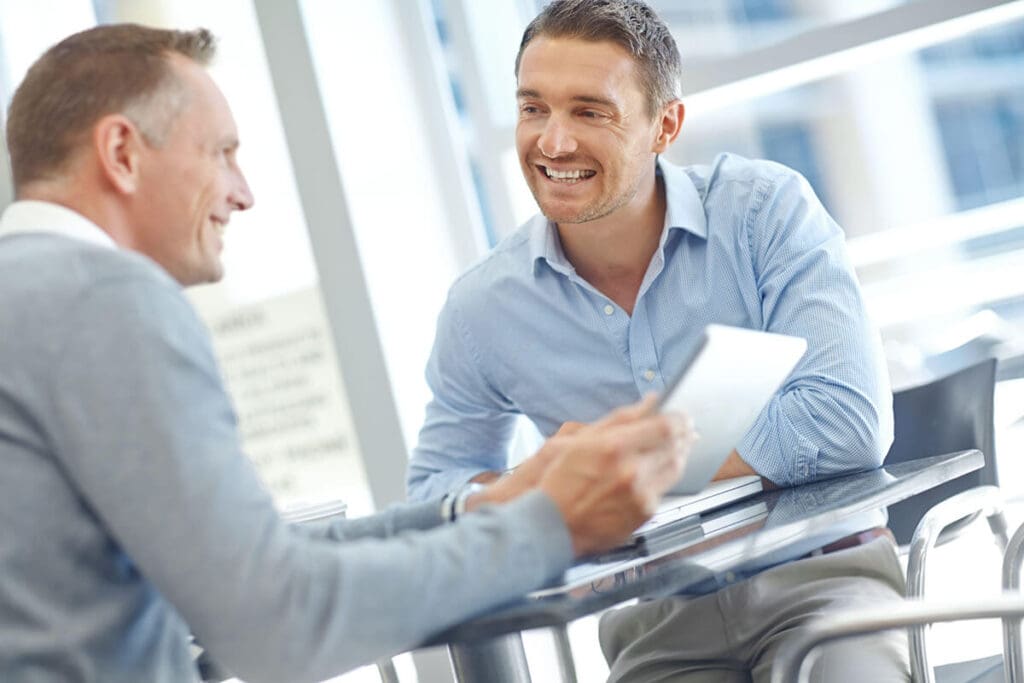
[715, 495]
[674, 536]
[677, 514]
[728, 380]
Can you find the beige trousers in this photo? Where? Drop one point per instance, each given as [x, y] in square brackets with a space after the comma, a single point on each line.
[733, 635]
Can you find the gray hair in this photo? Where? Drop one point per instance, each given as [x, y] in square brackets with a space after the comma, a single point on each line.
[117, 68]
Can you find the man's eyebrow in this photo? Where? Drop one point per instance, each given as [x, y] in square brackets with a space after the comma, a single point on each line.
[594, 99]
[526, 93]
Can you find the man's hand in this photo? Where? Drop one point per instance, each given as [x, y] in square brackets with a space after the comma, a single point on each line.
[607, 477]
[525, 476]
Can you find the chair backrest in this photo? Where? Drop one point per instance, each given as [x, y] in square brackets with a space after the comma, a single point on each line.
[952, 413]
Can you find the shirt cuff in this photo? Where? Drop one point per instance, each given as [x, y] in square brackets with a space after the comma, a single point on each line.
[781, 456]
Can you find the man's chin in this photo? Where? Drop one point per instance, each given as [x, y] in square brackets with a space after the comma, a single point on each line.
[557, 212]
[561, 219]
[208, 276]
[565, 215]
[215, 275]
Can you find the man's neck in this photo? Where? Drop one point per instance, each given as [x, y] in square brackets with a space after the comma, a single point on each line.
[88, 203]
[613, 253]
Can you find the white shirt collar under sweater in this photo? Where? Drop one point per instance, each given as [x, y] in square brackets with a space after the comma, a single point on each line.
[32, 216]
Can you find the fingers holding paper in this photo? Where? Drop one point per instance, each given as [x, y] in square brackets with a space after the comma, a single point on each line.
[607, 477]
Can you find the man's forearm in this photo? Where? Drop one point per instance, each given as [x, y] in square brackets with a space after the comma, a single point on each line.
[488, 477]
[735, 466]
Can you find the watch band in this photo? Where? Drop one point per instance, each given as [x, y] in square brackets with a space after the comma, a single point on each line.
[448, 507]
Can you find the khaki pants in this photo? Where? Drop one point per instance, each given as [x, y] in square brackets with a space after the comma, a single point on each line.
[733, 635]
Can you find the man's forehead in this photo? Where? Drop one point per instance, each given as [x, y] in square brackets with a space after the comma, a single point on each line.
[205, 103]
[596, 71]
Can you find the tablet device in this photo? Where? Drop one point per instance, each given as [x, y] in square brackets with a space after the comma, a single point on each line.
[729, 379]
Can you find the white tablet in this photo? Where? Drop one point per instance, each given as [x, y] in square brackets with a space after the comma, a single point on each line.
[730, 378]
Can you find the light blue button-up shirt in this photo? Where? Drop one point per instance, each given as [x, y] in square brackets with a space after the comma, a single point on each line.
[745, 243]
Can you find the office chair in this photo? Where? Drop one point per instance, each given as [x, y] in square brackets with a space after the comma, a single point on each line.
[793, 663]
[951, 413]
[794, 660]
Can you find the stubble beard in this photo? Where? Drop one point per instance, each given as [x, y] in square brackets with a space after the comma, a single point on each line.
[593, 211]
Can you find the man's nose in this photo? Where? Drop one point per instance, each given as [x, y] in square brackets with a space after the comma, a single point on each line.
[557, 139]
[241, 198]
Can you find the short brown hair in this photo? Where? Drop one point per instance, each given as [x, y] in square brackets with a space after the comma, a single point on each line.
[117, 68]
[631, 24]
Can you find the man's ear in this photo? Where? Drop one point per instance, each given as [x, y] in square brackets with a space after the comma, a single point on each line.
[118, 144]
[670, 123]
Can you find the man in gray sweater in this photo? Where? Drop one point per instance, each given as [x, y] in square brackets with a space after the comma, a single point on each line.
[129, 516]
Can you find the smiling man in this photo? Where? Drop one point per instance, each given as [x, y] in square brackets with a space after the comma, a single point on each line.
[129, 516]
[600, 299]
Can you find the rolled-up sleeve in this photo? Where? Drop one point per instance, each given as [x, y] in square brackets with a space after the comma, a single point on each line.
[834, 413]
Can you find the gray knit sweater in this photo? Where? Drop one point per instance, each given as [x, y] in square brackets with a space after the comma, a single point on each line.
[130, 517]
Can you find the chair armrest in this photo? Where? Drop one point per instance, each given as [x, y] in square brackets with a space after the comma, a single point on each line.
[794, 658]
[1012, 650]
[984, 499]
[981, 499]
[1012, 560]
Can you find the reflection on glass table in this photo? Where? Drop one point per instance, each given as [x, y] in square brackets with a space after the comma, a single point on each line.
[704, 553]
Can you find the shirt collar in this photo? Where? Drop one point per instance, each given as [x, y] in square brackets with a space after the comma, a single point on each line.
[684, 211]
[685, 206]
[31, 216]
[545, 245]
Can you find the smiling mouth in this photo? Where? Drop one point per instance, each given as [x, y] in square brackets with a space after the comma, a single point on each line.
[569, 177]
[217, 230]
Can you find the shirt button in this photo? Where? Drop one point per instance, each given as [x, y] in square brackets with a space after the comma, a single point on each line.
[609, 309]
[730, 577]
[649, 375]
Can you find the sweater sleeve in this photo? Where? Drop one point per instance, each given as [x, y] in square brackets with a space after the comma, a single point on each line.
[385, 524]
[145, 431]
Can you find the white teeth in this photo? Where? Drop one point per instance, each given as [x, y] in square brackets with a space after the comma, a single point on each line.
[567, 175]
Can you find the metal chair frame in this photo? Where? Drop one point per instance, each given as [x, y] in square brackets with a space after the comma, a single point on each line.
[796, 657]
[986, 500]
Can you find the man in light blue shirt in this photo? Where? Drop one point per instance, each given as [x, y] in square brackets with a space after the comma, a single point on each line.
[601, 298]
[743, 243]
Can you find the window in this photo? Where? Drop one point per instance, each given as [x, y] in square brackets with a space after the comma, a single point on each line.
[912, 137]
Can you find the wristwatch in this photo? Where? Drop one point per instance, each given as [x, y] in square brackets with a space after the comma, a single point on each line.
[453, 505]
[463, 496]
